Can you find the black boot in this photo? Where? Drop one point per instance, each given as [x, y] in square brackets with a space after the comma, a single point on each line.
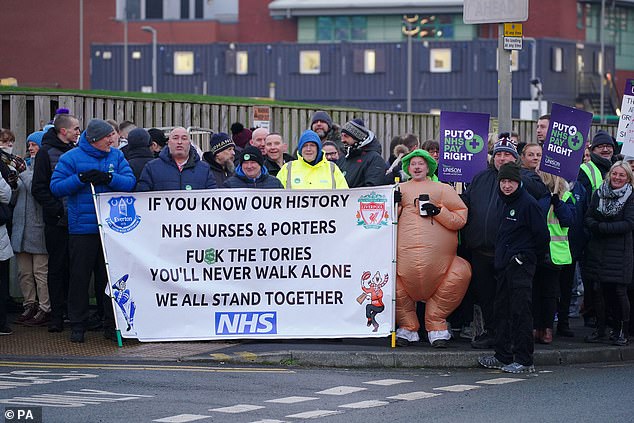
[621, 339]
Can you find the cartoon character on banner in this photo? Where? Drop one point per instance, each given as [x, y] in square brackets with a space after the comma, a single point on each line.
[124, 300]
[372, 291]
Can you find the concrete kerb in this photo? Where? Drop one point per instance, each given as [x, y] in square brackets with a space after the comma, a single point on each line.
[415, 358]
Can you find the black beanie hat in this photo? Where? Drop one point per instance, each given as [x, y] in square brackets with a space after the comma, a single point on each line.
[601, 138]
[220, 142]
[509, 171]
[252, 153]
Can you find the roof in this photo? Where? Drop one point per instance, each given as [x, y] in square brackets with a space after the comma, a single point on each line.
[290, 8]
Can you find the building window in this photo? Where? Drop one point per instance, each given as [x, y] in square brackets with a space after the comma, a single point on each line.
[153, 9]
[198, 10]
[242, 63]
[132, 9]
[136, 55]
[369, 61]
[342, 28]
[183, 63]
[309, 62]
[107, 55]
[515, 58]
[440, 60]
[557, 59]
[184, 9]
[598, 62]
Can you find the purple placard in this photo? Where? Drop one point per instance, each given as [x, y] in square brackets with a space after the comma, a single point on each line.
[463, 145]
[565, 141]
[629, 87]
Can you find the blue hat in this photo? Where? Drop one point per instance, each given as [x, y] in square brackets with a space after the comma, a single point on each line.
[138, 137]
[505, 144]
[35, 137]
[220, 142]
[310, 136]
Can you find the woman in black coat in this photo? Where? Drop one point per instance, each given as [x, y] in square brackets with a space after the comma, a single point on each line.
[609, 257]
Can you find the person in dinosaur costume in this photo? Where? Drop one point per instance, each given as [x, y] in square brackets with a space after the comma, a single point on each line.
[427, 269]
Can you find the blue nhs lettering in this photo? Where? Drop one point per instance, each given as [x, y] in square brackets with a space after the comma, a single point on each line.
[246, 323]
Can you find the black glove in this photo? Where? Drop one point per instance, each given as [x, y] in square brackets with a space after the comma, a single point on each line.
[95, 177]
[555, 200]
[431, 209]
[19, 164]
[397, 197]
[12, 179]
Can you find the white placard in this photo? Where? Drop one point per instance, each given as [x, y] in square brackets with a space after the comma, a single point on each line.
[245, 263]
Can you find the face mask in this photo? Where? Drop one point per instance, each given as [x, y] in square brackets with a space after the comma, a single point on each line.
[6, 149]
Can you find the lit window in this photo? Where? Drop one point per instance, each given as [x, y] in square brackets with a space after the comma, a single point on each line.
[557, 59]
[440, 60]
[309, 62]
[369, 61]
[107, 55]
[183, 63]
[136, 55]
[242, 62]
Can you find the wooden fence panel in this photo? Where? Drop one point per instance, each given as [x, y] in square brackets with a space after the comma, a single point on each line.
[17, 122]
[42, 110]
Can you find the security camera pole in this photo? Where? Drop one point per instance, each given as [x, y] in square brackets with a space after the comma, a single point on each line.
[499, 11]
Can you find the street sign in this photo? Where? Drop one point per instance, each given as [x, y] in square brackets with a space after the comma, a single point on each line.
[512, 30]
[495, 11]
[512, 43]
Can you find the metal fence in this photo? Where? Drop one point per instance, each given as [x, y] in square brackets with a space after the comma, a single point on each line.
[25, 112]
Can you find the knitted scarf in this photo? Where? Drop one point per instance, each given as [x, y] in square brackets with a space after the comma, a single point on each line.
[611, 201]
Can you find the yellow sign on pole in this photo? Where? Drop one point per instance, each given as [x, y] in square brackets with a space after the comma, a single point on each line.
[512, 29]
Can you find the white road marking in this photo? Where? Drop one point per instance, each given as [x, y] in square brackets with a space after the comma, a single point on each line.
[388, 382]
[182, 418]
[456, 388]
[500, 381]
[269, 421]
[411, 396]
[341, 390]
[238, 408]
[313, 414]
[291, 400]
[365, 404]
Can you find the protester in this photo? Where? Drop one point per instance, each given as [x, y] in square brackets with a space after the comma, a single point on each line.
[480, 233]
[331, 151]
[521, 241]
[94, 162]
[124, 130]
[220, 157]
[531, 156]
[258, 139]
[542, 129]
[609, 260]
[158, 140]
[311, 170]
[178, 167]
[29, 245]
[428, 271]
[56, 141]
[138, 152]
[251, 172]
[323, 126]
[5, 254]
[433, 148]
[362, 164]
[240, 135]
[559, 216]
[276, 154]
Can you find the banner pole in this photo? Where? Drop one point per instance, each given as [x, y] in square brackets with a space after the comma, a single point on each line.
[394, 252]
[105, 259]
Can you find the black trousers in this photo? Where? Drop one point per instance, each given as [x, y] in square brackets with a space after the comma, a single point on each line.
[4, 296]
[545, 293]
[513, 316]
[566, 281]
[483, 282]
[86, 259]
[57, 279]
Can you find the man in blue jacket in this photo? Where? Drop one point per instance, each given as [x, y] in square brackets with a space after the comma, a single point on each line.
[94, 162]
[251, 172]
[522, 239]
[177, 167]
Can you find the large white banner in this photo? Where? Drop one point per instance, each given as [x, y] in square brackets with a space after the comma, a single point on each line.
[237, 264]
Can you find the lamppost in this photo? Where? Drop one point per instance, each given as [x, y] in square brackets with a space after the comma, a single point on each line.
[154, 37]
[410, 29]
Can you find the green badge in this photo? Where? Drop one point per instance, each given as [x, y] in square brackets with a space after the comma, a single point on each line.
[512, 213]
[210, 256]
[247, 157]
[188, 187]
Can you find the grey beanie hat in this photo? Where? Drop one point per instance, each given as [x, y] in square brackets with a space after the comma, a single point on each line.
[98, 129]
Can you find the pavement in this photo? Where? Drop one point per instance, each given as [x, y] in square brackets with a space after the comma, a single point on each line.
[36, 344]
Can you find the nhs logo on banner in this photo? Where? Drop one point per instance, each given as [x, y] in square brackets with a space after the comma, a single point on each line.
[246, 323]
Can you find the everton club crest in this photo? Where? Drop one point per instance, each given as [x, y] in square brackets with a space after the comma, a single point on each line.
[123, 217]
[372, 213]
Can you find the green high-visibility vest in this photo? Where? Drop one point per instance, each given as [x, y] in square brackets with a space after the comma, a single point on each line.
[593, 173]
[559, 245]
